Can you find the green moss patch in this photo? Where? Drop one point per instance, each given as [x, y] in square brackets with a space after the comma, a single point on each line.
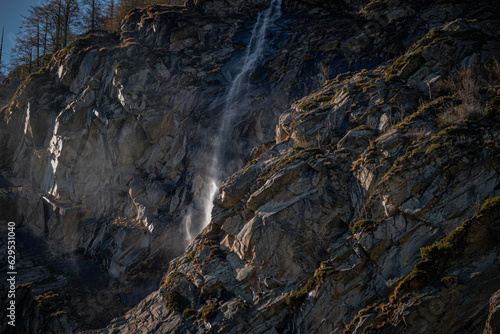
[490, 206]
[176, 302]
[297, 297]
[365, 225]
[207, 312]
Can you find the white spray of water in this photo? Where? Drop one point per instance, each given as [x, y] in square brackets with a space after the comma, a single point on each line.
[237, 89]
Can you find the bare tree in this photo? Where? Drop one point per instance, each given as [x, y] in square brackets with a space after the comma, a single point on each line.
[1, 51]
[94, 14]
[70, 11]
[110, 17]
[22, 56]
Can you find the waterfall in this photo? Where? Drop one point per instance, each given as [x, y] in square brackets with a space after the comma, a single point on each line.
[236, 91]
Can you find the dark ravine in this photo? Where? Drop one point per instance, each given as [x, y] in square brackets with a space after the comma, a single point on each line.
[365, 193]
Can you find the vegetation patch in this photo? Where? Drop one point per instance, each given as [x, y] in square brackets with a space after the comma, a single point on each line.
[297, 297]
[321, 98]
[78, 44]
[252, 162]
[176, 302]
[413, 53]
[403, 162]
[365, 225]
[173, 278]
[295, 154]
[363, 128]
[396, 65]
[49, 302]
[490, 206]
[216, 252]
[436, 260]
[188, 312]
[432, 148]
[207, 312]
[449, 280]
[493, 109]
[437, 256]
[307, 105]
[325, 272]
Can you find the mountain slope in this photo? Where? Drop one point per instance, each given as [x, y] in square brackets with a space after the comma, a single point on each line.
[366, 174]
[317, 232]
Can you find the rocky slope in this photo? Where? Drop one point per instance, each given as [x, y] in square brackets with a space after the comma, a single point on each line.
[335, 223]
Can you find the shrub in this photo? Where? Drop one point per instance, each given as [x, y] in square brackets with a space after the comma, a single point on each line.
[365, 225]
[188, 312]
[441, 249]
[296, 298]
[176, 302]
[173, 278]
[491, 205]
[326, 271]
[207, 312]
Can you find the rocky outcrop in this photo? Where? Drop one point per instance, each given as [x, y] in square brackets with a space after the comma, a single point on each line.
[365, 178]
[394, 148]
[492, 323]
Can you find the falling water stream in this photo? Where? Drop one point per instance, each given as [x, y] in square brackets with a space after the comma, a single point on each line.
[238, 89]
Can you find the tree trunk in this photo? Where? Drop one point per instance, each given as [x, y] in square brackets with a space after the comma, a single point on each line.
[58, 28]
[38, 45]
[92, 18]
[45, 34]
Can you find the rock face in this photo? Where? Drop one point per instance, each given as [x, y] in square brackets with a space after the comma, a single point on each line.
[370, 133]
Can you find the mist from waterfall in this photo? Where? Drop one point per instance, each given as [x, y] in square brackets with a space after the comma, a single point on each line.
[236, 93]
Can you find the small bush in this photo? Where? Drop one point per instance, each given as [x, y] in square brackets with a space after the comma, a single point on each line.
[365, 225]
[491, 205]
[173, 278]
[395, 67]
[465, 87]
[79, 44]
[326, 271]
[207, 312]
[493, 109]
[440, 250]
[188, 312]
[176, 302]
[295, 300]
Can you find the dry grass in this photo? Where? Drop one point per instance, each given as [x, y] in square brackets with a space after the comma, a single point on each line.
[325, 71]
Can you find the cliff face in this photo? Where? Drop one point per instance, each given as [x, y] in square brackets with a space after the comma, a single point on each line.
[369, 131]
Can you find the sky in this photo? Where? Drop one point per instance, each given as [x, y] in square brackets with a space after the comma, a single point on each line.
[10, 19]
